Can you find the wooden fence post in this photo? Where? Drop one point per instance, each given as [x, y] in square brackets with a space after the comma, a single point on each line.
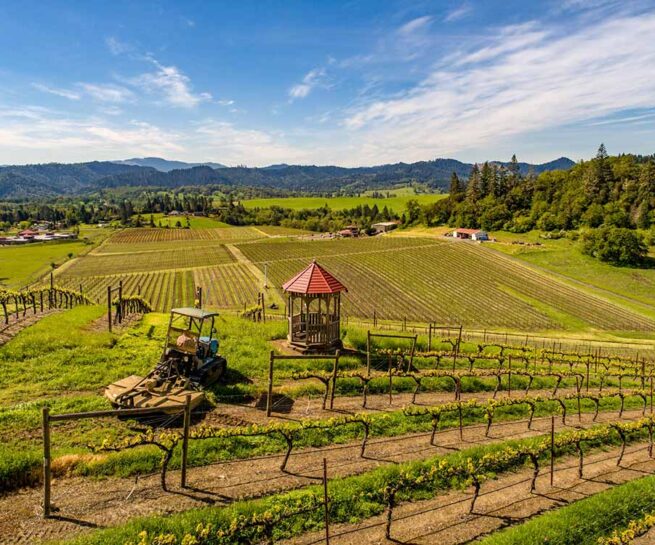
[46, 462]
[390, 380]
[430, 337]
[326, 503]
[109, 307]
[119, 311]
[269, 401]
[368, 353]
[509, 377]
[552, 449]
[411, 356]
[335, 370]
[52, 281]
[185, 439]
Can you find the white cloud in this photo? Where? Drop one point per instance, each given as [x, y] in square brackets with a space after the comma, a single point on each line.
[543, 80]
[309, 82]
[415, 25]
[225, 102]
[107, 92]
[172, 84]
[53, 137]
[65, 93]
[117, 47]
[233, 145]
[458, 13]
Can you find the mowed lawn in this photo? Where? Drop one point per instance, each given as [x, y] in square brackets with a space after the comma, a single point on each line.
[396, 204]
[21, 265]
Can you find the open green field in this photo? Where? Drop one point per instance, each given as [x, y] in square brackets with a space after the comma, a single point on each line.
[396, 203]
[563, 257]
[195, 222]
[22, 265]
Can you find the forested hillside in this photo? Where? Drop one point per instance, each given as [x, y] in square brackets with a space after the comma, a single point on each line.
[73, 179]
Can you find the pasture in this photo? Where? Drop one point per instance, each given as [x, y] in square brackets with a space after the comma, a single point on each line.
[395, 203]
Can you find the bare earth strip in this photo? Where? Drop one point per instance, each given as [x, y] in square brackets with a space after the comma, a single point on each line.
[84, 503]
[503, 502]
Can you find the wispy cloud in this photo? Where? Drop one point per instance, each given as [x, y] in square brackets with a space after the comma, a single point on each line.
[64, 93]
[415, 25]
[107, 92]
[54, 136]
[225, 102]
[172, 84]
[233, 145]
[458, 13]
[544, 79]
[308, 83]
[116, 47]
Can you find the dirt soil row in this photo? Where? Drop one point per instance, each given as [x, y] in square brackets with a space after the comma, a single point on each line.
[85, 503]
[503, 502]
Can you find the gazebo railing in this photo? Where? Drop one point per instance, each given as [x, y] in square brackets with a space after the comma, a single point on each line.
[314, 328]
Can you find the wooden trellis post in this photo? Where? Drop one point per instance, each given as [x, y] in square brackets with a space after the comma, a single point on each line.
[46, 462]
[335, 370]
[326, 503]
[269, 401]
[185, 439]
[109, 307]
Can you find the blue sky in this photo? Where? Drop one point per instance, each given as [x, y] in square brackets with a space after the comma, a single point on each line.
[325, 82]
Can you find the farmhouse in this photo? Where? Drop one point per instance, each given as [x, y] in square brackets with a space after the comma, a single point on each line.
[350, 231]
[384, 226]
[473, 234]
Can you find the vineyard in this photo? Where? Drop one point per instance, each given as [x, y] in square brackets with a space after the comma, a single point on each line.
[404, 424]
[165, 265]
[422, 279]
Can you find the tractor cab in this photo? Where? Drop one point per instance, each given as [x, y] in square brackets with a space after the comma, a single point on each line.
[190, 361]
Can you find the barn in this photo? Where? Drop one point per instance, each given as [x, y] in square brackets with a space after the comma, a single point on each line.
[472, 234]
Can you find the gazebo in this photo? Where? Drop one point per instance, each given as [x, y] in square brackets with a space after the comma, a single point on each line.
[314, 310]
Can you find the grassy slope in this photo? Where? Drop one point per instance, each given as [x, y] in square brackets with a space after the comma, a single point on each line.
[564, 257]
[397, 203]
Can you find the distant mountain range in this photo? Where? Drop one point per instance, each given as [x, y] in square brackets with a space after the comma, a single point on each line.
[54, 179]
[164, 165]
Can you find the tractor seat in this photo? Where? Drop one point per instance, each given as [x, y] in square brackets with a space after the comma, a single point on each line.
[213, 345]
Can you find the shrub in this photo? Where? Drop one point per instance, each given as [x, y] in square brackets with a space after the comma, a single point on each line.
[615, 245]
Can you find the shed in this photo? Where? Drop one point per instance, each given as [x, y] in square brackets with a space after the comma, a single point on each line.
[384, 226]
[473, 234]
[314, 310]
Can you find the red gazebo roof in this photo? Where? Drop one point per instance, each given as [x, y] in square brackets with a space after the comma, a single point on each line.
[314, 280]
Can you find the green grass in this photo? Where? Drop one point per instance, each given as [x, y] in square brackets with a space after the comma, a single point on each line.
[583, 522]
[563, 256]
[195, 222]
[397, 203]
[22, 265]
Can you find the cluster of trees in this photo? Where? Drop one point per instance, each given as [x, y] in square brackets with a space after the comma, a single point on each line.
[611, 191]
[323, 219]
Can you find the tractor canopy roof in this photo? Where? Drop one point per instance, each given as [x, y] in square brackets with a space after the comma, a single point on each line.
[191, 312]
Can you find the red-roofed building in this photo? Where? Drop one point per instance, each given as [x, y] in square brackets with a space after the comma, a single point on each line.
[314, 309]
[473, 234]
